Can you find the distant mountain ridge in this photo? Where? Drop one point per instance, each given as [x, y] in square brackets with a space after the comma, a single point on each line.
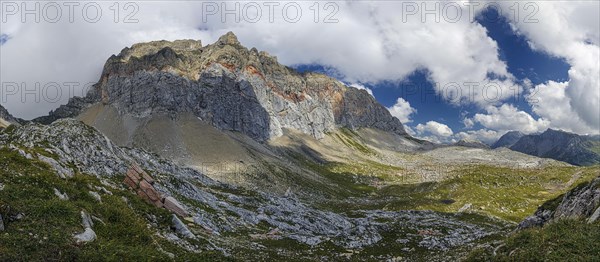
[508, 139]
[560, 145]
[471, 143]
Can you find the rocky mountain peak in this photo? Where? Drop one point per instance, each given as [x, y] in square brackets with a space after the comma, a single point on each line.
[232, 87]
[143, 49]
[228, 39]
[555, 132]
[3, 112]
[514, 133]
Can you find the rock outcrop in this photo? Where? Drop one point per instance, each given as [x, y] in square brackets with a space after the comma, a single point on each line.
[583, 202]
[563, 146]
[80, 147]
[181, 228]
[88, 235]
[231, 87]
[143, 184]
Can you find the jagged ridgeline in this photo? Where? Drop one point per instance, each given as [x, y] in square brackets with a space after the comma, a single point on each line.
[227, 85]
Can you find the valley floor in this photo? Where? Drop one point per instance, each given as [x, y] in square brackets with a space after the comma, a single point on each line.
[342, 198]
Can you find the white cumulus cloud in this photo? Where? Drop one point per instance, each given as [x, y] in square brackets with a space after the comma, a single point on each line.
[570, 30]
[434, 128]
[483, 135]
[402, 110]
[367, 42]
[508, 117]
[552, 103]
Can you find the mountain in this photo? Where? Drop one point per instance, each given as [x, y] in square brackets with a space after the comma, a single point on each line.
[471, 143]
[229, 86]
[224, 106]
[66, 174]
[508, 139]
[563, 146]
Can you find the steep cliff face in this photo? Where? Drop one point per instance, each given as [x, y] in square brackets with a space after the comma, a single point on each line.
[231, 87]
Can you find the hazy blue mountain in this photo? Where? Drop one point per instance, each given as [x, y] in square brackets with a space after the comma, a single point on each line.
[508, 139]
[568, 147]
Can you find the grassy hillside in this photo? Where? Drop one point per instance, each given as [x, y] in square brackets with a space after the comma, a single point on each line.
[565, 240]
[511, 194]
[40, 227]
[508, 193]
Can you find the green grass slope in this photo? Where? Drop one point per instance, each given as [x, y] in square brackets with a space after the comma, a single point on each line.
[40, 227]
[565, 240]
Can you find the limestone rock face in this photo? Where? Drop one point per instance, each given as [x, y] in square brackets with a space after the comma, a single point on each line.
[582, 202]
[231, 87]
[72, 140]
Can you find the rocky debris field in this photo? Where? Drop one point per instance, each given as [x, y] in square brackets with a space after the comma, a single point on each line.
[228, 218]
